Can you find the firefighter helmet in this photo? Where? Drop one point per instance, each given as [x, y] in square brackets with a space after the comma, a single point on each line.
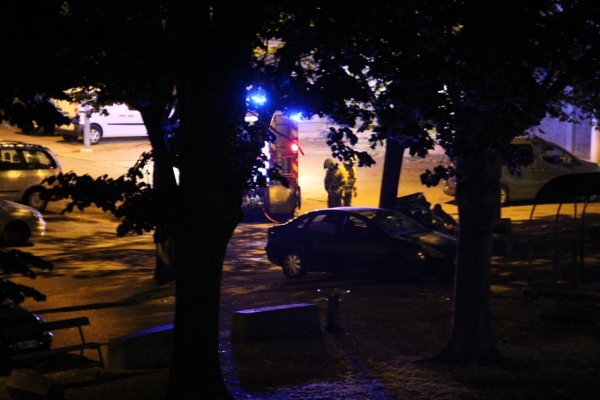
[329, 163]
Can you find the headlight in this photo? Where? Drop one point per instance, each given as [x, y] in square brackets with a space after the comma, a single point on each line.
[36, 216]
[430, 251]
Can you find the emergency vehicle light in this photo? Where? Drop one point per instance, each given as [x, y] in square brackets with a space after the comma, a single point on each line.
[294, 147]
[251, 117]
[256, 97]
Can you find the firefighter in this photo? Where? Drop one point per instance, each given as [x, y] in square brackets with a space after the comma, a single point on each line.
[350, 187]
[335, 181]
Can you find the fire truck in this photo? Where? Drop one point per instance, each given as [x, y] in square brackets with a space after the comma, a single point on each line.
[277, 202]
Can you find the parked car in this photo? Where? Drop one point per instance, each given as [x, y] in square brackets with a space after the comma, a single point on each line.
[550, 161]
[23, 168]
[119, 121]
[18, 223]
[364, 241]
[12, 315]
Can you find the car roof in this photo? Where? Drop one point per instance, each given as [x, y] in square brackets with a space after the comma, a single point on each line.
[14, 143]
[353, 209]
[529, 140]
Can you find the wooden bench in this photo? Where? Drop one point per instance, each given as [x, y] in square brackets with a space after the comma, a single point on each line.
[14, 333]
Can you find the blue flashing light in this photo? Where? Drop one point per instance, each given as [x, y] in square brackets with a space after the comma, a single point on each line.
[256, 97]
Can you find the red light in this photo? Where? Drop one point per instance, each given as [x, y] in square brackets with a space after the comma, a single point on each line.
[295, 147]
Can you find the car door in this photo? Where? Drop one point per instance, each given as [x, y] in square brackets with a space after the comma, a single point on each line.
[323, 242]
[39, 166]
[364, 249]
[13, 175]
[524, 186]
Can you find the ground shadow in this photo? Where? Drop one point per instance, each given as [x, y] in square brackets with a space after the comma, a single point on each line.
[268, 364]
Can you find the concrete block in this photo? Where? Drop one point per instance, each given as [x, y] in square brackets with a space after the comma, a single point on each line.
[277, 322]
[149, 348]
[26, 384]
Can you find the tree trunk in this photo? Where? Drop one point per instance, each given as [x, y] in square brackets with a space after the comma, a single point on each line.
[195, 371]
[477, 193]
[212, 177]
[208, 210]
[394, 153]
[163, 180]
[164, 269]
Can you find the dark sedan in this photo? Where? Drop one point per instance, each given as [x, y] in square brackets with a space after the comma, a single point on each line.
[13, 315]
[364, 241]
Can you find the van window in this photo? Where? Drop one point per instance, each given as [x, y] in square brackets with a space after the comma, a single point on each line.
[37, 159]
[9, 160]
[554, 155]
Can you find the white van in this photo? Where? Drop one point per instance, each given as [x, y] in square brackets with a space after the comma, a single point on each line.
[121, 121]
[550, 161]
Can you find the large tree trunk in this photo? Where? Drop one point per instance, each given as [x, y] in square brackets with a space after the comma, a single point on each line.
[201, 222]
[477, 193]
[210, 195]
[392, 167]
[209, 209]
[207, 213]
[195, 365]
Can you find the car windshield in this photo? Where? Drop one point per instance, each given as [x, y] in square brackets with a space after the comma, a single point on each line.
[393, 223]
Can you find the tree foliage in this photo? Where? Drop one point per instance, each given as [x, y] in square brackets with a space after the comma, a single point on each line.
[479, 73]
[19, 262]
[151, 54]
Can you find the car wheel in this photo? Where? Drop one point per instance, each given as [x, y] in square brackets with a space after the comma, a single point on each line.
[16, 234]
[503, 195]
[294, 264]
[36, 198]
[95, 133]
